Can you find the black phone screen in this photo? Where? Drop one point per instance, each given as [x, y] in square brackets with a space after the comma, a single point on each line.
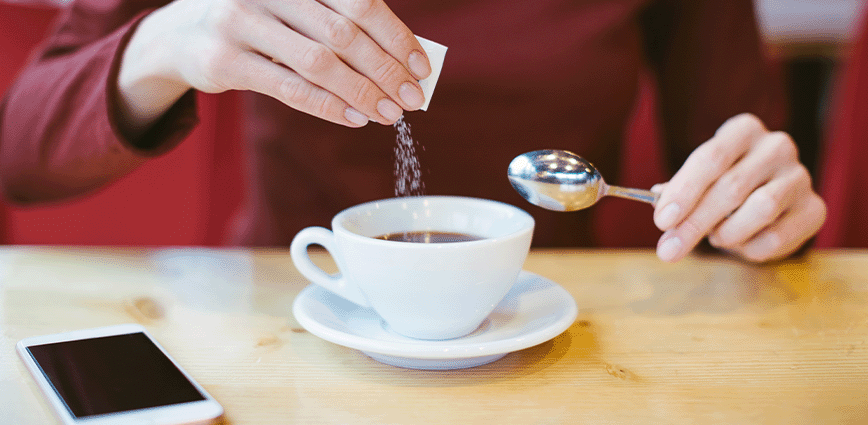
[112, 374]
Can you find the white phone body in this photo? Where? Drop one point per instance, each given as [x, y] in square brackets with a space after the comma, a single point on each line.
[115, 375]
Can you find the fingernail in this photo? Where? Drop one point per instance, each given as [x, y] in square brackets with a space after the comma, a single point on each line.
[389, 110]
[419, 65]
[714, 240]
[355, 117]
[411, 95]
[669, 249]
[668, 216]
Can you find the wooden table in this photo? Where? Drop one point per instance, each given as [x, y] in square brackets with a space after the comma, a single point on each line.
[707, 340]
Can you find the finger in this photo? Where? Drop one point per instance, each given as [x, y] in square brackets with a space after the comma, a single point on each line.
[763, 207]
[703, 167]
[789, 233]
[319, 65]
[730, 191]
[250, 71]
[354, 47]
[387, 30]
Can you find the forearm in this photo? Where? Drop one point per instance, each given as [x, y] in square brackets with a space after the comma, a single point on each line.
[56, 136]
[62, 132]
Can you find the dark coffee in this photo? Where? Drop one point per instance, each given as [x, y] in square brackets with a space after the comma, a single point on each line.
[429, 237]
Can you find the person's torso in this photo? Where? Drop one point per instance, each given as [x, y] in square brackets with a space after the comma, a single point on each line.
[518, 76]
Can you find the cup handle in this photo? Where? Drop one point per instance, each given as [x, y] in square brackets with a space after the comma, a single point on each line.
[338, 284]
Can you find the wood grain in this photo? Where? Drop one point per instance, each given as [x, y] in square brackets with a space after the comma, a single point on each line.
[707, 340]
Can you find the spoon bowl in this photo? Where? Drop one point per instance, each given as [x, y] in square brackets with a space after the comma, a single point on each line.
[560, 180]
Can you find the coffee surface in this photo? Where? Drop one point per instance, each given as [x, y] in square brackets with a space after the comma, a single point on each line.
[429, 237]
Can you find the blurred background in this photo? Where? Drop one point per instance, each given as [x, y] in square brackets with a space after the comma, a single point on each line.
[812, 41]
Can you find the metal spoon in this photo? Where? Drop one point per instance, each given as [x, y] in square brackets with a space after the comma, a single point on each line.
[563, 181]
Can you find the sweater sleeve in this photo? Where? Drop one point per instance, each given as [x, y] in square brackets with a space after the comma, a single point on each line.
[710, 65]
[59, 134]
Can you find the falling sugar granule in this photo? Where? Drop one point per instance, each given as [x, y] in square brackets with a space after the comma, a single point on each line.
[408, 174]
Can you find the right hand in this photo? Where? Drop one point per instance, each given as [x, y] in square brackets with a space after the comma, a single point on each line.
[345, 61]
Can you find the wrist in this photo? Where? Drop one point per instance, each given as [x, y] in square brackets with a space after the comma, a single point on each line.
[147, 83]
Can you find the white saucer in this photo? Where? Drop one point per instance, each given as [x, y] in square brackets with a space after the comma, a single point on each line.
[534, 311]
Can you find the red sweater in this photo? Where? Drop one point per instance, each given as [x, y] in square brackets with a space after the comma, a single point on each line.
[519, 76]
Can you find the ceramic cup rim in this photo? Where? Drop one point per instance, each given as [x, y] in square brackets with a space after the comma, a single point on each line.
[525, 221]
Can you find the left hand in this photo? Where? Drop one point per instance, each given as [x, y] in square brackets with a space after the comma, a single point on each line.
[744, 189]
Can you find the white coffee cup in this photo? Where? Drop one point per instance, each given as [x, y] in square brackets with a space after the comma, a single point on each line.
[422, 290]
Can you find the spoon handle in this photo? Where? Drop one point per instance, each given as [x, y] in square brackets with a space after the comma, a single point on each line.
[634, 194]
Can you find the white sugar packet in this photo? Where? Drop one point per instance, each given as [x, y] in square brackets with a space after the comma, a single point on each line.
[436, 54]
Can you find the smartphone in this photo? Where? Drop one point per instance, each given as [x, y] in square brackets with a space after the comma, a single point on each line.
[115, 375]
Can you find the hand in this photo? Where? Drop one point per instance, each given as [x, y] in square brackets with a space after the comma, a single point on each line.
[746, 190]
[345, 61]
